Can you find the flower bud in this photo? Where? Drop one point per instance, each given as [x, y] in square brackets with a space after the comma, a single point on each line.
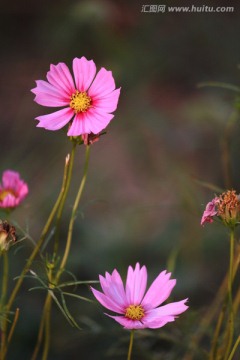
[7, 235]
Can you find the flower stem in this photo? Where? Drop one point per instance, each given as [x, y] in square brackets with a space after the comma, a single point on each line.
[234, 348]
[73, 215]
[3, 299]
[47, 326]
[130, 345]
[211, 312]
[40, 332]
[67, 181]
[38, 245]
[46, 316]
[5, 277]
[230, 327]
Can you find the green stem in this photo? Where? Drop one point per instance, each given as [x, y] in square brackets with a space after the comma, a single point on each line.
[67, 177]
[40, 333]
[130, 345]
[5, 277]
[38, 245]
[230, 327]
[213, 351]
[73, 216]
[3, 298]
[211, 312]
[234, 348]
[47, 326]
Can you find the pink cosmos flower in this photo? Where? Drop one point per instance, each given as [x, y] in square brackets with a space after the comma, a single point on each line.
[12, 190]
[137, 309]
[87, 100]
[210, 211]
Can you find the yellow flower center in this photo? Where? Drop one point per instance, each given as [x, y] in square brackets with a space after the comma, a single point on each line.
[134, 312]
[80, 101]
[4, 193]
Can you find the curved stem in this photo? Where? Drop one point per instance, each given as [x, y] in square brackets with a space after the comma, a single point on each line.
[130, 345]
[38, 245]
[73, 215]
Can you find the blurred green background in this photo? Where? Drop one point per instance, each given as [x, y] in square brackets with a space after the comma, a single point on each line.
[142, 201]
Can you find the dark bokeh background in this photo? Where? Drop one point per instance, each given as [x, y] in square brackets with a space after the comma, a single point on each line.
[142, 201]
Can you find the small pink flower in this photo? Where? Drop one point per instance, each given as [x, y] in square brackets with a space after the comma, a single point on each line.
[12, 190]
[210, 211]
[87, 100]
[139, 311]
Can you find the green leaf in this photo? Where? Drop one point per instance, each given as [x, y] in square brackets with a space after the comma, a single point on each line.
[219, 85]
[77, 296]
[72, 283]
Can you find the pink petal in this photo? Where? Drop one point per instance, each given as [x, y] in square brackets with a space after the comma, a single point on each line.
[60, 76]
[10, 179]
[84, 71]
[210, 211]
[159, 291]
[22, 191]
[108, 103]
[128, 323]
[102, 85]
[158, 317]
[136, 284]
[55, 120]
[48, 100]
[97, 121]
[171, 309]
[106, 301]
[80, 125]
[112, 286]
[156, 323]
[46, 89]
[9, 201]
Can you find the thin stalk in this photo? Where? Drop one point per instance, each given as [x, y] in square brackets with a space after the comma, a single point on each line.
[47, 327]
[234, 348]
[208, 317]
[130, 345]
[213, 351]
[16, 316]
[40, 333]
[73, 215]
[3, 298]
[38, 245]
[5, 277]
[230, 327]
[67, 176]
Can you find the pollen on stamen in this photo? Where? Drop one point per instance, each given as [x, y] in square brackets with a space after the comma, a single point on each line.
[134, 312]
[80, 101]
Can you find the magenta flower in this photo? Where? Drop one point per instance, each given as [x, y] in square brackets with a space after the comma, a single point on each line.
[210, 211]
[12, 190]
[87, 100]
[139, 311]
